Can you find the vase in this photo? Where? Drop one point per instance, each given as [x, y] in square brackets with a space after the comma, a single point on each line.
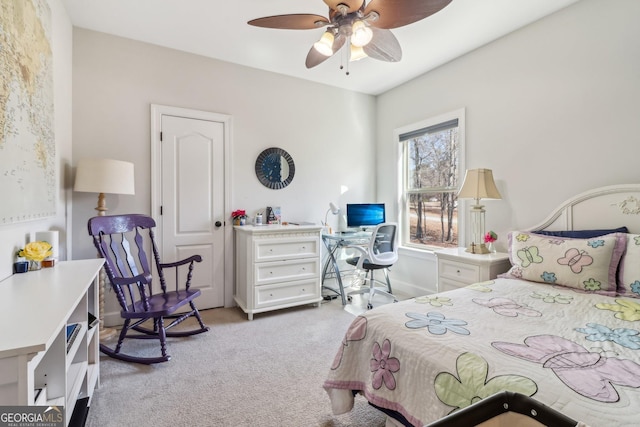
[34, 265]
[491, 248]
[243, 221]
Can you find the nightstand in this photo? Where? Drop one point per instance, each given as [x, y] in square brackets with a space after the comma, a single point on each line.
[458, 268]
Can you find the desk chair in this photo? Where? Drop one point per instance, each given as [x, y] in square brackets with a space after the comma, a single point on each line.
[381, 253]
[120, 240]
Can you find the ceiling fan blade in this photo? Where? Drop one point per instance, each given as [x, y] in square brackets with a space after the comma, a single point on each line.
[397, 13]
[353, 5]
[299, 21]
[315, 58]
[384, 46]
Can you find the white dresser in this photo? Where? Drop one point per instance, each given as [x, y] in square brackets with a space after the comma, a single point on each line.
[458, 268]
[277, 266]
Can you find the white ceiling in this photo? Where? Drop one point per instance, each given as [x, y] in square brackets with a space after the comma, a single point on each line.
[218, 29]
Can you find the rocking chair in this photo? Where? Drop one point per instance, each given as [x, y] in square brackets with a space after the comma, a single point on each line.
[120, 240]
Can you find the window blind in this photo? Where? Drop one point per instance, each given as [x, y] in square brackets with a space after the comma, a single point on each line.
[429, 129]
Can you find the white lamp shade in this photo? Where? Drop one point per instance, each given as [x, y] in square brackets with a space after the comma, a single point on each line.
[361, 34]
[104, 176]
[478, 184]
[357, 53]
[325, 44]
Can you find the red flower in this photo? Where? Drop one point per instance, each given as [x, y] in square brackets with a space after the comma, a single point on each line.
[240, 213]
[490, 237]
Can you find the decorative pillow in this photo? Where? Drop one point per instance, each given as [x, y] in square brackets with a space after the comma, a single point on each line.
[582, 234]
[629, 273]
[586, 264]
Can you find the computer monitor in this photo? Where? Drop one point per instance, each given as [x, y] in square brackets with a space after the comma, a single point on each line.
[365, 214]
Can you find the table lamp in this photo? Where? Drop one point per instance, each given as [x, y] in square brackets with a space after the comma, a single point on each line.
[478, 184]
[334, 210]
[104, 176]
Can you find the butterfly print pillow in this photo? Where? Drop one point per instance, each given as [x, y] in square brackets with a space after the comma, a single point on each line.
[586, 264]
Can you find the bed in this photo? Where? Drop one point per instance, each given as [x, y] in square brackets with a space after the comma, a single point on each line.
[561, 328]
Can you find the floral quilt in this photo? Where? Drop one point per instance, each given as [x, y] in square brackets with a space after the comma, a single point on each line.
[427, 357]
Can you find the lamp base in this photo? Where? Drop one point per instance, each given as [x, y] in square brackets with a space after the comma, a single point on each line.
[479, 248]
[107, 333]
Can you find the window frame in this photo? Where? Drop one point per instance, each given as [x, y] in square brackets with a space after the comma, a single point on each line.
[402, 181]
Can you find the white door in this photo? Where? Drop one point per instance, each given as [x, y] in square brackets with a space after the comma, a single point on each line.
[192, 201]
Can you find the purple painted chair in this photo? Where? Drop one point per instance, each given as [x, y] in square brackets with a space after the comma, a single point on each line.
[121, 240]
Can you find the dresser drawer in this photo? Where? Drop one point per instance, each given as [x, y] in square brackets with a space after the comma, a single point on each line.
[286, 293]
[461, 272]
[274, 249]
[284, 271]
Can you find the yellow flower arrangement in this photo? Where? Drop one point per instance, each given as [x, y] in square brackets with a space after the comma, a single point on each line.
[36, 251]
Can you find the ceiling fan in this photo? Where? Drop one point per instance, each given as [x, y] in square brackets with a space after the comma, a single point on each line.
[363, 27]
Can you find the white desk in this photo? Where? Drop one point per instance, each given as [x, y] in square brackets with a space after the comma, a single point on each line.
[333, 242]
[35, 309]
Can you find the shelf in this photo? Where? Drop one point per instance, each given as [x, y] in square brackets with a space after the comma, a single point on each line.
[93, 372]
[75, 378]
[42, 397]
[77, 343]
[91, 332]
[37, 348]
[59, 401]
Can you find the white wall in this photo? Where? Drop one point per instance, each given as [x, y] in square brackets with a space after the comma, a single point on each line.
[329, 132]
[552, 108]
[14, 236]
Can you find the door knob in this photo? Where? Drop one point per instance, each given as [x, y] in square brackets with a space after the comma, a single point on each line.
[218, 224]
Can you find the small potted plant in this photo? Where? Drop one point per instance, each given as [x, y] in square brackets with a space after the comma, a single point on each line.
[489, 238]
[239, 217]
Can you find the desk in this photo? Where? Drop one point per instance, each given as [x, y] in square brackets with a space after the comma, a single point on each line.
[333, 242]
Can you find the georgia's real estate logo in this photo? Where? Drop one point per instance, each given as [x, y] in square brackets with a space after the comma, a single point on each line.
[31, 416]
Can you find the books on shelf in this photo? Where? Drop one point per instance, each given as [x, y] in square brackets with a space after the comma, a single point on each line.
[93, 320]
[72, 333]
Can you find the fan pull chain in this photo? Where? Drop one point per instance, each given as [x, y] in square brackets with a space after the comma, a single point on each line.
[345, 56]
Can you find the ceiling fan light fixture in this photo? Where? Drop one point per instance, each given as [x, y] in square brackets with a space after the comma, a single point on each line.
[357, 53]
[361, 34]
[325, 45]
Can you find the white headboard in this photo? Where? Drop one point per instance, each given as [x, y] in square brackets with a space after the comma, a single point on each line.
[601, 208]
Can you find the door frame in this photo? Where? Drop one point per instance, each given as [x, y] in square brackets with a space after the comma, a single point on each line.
[157, 111]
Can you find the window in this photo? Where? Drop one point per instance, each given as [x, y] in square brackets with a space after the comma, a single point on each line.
[431, 154]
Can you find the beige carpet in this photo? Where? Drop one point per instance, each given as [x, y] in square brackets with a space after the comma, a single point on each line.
[267, 372]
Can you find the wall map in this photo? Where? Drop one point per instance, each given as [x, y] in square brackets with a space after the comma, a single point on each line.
[27, 143]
